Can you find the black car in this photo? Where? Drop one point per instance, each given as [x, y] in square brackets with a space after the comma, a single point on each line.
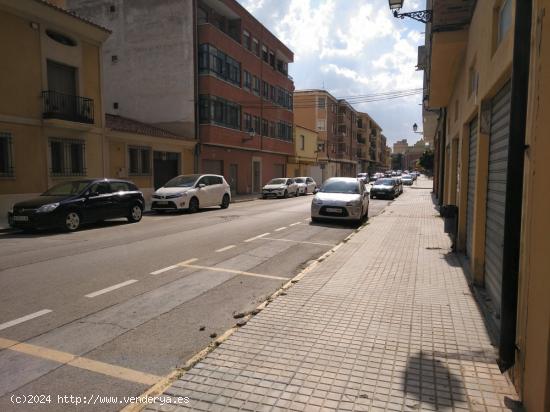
[385, 188]
[70, 204]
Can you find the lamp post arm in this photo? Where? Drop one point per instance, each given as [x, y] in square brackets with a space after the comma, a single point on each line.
[424, 16]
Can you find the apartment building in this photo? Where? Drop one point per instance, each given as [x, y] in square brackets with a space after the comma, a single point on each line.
[245, 96]
[204, 70]
[51, 119]
[350, 141]
[487, 75]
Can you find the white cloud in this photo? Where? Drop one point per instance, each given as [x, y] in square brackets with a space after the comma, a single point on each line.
[351, 48]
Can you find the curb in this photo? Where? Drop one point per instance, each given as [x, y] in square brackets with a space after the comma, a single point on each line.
[161, 386]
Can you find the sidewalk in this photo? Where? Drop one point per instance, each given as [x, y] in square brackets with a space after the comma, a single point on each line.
[386, 322]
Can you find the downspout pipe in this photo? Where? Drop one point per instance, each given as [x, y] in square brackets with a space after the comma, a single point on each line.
[442, 144]
[514, 185]
[197, 151]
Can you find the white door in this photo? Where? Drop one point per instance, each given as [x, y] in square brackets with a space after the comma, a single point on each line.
[204, 194]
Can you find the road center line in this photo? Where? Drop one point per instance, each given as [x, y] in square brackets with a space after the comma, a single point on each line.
[299, 241]
[166, 269]
[110, 288]
[185, 262]
[294, 224]
[23, 319]
[257, 237]
[279, 229]
[223, 249]
[238, 272]
[80, 362]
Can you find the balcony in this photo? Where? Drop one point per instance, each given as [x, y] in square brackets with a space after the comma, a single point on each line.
[361, 139]
[67, 107]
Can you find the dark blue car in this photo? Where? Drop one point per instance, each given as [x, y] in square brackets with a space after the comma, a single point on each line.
[68, 205]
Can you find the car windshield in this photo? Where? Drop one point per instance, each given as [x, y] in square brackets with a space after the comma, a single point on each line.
[67, 188]
[340, 186]
[182, 181]
[277, 182]
[385, 182]
[300, 180]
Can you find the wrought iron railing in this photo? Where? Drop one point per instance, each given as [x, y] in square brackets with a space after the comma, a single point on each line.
[62, 106]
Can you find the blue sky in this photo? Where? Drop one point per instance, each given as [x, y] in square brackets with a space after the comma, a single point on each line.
[352, 47]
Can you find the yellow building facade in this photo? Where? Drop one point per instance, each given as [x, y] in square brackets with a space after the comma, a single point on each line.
[306, 154]
[51, 117]
[491, 162]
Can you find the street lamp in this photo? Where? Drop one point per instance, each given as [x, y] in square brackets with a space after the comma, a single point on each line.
[423, 16]
[415, 128]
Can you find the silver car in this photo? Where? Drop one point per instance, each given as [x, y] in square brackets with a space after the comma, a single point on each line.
[341, 198]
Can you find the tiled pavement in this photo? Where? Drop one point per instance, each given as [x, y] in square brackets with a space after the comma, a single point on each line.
[387, 322]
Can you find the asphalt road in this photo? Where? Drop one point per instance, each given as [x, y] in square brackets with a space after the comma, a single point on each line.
[110, 309]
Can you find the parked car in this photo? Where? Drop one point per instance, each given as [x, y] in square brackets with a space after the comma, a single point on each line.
[191, 192]
[280, 187]
[341, 198]
[407, 180]
[305, 185]
[385, 188]
[364, 177]
[68, 205]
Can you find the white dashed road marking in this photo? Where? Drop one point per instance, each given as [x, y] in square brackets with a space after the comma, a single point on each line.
[158, 272]
[238, 272]
[110, 288]
[294, 224]
[279, 229]
[223, 249]
[23, 319]
[257, 237]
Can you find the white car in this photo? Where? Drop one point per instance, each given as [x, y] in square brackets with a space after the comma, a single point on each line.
[191, 192]
[341, 198]
[280, 187]
[305, 185]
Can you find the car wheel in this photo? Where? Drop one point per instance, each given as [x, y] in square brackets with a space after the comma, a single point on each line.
[193, 205]
[72, 221]
[372, 196]
[286, 194]
[135, 214]
[225, 201]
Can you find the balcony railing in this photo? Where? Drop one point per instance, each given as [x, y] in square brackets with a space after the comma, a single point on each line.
[57, 105]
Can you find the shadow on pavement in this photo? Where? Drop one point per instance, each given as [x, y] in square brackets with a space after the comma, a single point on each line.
[36, 233]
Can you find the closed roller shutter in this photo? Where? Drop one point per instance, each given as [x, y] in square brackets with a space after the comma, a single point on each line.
[471, 187]
[214, 167]
[496, 193]
[316, 173]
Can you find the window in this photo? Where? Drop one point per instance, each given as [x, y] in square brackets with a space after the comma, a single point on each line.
[120, 187]
[256, 85]
[256, 46]
[257, 123]
[321, 102]
[321, 125]
[6, 155]
[272, 59]
[214, 61]
[504, 19]
[265, 89]
[302, 142]
[215, 110]
[67, 157]
[139, 160]
[247, 84]
[473, 78]
[246, 40]
[272, 93]
[265, 127]
[273, 131]
[247, 122]
[100, 188]
[265, 57]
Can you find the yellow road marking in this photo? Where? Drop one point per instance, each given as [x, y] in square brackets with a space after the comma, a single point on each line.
[80, 362]
[238, 272]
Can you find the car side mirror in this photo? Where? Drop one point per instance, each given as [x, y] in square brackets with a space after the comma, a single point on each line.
[201, 185]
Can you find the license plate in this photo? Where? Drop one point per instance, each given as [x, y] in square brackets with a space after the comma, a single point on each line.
[20, 218]
[162, 203]
[333, 210]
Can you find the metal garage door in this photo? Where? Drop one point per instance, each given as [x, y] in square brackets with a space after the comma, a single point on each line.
[316, 173]
[496, 193]
[471, 187]
[214, 167]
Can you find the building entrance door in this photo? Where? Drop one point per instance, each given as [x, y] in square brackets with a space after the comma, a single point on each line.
[165, 167]
[256, 176]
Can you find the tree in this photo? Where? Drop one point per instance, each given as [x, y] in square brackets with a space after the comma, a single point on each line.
[426, 162]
